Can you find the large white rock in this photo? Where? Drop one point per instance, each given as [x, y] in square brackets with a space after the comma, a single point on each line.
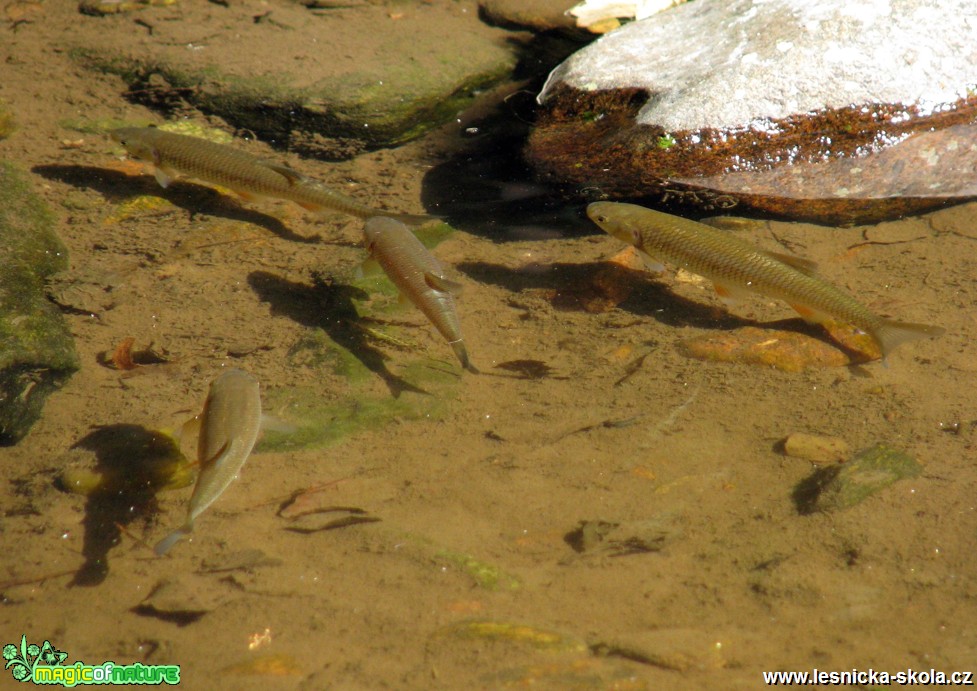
[739, 63]
[843, 111]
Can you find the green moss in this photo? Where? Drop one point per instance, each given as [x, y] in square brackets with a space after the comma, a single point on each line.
[665, 142]
[368, 109]
[321, 422]
[485, 575]
[37, 353]
[7, 123]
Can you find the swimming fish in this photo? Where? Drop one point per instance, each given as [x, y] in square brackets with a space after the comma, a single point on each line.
[250, 177]
[735, 267]
[419, 276]
[229, 426]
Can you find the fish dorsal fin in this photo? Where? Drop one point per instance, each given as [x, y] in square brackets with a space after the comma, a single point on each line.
[441, 283]
[805, 266]
[293, 176]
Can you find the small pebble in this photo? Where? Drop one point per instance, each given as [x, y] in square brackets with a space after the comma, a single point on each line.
[817, 448]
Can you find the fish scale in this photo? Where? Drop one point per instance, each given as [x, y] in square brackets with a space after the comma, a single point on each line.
[736, 266]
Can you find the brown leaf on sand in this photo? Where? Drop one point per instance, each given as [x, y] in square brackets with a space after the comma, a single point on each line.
[122, 357]
[125, 358]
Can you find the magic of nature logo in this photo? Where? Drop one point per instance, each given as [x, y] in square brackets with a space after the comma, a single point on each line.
[45, 664]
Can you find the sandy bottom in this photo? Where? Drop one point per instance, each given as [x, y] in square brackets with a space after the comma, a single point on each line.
[695, 569]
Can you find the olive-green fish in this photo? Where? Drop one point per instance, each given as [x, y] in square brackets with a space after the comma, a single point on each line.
[735, 267]
[229, 426]
[419, 276]
[250, 177]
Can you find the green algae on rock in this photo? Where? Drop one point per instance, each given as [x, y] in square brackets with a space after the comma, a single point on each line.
[843, 486]
[124, 460]
[305, 80]
[37, 353]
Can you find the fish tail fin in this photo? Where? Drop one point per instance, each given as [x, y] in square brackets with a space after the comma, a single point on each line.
[164, 545]
[414, 219]
[462, 353]
[893, 334]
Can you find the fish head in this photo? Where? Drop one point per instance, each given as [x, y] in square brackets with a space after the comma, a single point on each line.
[380, 225]
[136, 143]
[614, 219]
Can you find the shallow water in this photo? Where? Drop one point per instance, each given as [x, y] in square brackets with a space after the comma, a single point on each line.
[424, 511]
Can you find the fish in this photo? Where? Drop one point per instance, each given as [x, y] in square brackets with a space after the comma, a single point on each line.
[229, 427]
[250, 177]
[736, 267]
[419, 276]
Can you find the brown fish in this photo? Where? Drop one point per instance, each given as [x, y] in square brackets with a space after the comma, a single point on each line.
[250, 177]
[229, 426]
[735, 266]
[419, 276]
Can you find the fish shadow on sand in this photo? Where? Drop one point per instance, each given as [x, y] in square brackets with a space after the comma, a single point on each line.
[192, 198]
[572, 287]
[328, 306]
[133, 463]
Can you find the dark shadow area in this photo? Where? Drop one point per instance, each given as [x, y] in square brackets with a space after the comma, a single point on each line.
[486, 187]
[806, 492]
[329, 306]
[133, 463]
[192, 198]
[572, 287]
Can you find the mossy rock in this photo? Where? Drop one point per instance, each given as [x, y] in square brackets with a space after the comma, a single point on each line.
[37, 353]
[843, 486]
[322, 91]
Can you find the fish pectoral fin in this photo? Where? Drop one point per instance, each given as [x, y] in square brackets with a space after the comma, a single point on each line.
[270, 423]
[188, 430]
[293, 176]
[805, 266]
[441, 283]
[164, 176]
[207, 462]
[651, 264]
[309, 206]
[730, 295]
[811, 315]
[368, 267]
[246, 196]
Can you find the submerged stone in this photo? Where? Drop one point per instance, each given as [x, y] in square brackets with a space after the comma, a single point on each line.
[789, 351]
[536, 15]
[831, 111]
[307, 80]
[844, 486]
[37, 353]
